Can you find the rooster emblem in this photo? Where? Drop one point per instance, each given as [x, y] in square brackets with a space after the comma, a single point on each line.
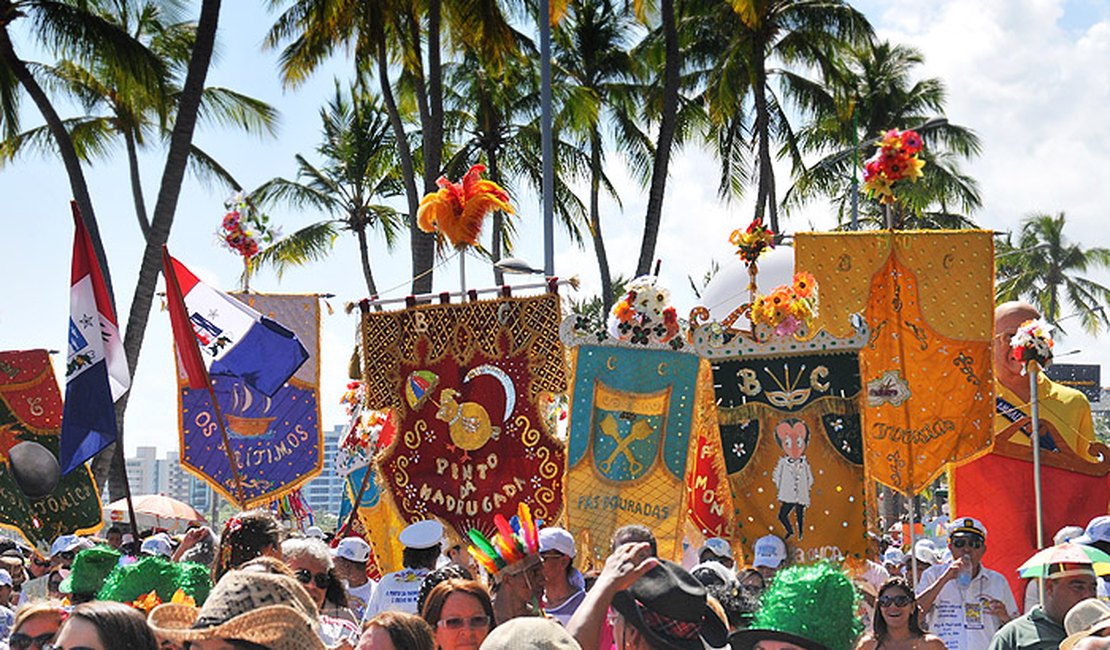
[470, 427]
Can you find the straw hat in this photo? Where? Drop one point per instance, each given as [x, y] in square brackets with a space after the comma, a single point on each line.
[1086, 618]
[264, 608]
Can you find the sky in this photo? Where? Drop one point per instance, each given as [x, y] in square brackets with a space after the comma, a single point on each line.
[1028, 76]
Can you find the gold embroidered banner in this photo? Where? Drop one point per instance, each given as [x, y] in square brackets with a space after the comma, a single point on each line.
[469, 383]
[633, 429]
[928, 297]
[790, 432]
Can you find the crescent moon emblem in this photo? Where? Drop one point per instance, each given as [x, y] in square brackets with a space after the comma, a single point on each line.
[662, 370]
[501, 376]
[611, 363]
[948, 260]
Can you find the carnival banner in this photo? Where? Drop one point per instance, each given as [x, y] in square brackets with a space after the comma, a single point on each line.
[789, 425]
[467, 383]
[640, 400]
[377, 521]
[34, 501]
[276, 439]
[928, 298]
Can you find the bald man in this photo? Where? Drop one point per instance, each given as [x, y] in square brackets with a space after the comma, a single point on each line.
[1066, 410]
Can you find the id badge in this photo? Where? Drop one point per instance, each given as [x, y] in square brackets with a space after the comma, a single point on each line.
[973, 616]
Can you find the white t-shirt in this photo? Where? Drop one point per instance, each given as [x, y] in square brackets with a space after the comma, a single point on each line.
[398, 591]
[960, 616]
[358, 597]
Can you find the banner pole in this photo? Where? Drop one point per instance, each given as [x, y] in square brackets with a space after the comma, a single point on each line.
[227, 446]
[358, 501]
[127, 490]
[1035, 441]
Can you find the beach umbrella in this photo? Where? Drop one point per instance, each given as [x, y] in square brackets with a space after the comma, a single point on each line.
[421, 382]
[157, 511]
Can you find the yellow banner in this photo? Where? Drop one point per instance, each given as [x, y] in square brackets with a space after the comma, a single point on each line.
[928, 297]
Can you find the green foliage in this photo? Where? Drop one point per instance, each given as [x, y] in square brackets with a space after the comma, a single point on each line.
[866, 93]
[1045, 268]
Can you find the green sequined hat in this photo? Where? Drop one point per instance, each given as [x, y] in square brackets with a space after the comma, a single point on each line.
[131, 582]
[810, 606]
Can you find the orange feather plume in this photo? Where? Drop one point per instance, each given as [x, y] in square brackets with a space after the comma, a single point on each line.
[457, 210]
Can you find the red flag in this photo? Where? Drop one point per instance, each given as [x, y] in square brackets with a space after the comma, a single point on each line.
[183, 333]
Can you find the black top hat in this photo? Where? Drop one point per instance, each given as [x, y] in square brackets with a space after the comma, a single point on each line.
[668, 606]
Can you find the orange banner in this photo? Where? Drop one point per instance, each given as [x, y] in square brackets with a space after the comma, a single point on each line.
[928, 298]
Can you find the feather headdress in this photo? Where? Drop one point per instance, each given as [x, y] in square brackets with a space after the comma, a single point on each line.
[457, 210]
[515, 546]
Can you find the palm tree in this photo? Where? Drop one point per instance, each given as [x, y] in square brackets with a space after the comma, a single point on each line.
[596, 75]
[382, 32]
[743, 47]
[118, 110]
[359, 168]
[868, 92]
[75, 30]
[165, 208]
[492, 113]
[1044, 268]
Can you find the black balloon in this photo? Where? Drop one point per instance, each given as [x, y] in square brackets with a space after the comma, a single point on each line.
[35, 469]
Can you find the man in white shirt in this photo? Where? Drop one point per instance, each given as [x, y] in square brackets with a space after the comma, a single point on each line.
[351, 556]
[965, 603]
[399, 591]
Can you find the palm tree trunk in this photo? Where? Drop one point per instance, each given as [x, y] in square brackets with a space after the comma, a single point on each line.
[423, 243]
[765, 197]
[364, 254]
[72, 163]
[595, 223]
[136, 184]
[408, 169]
[667, 126]
[498, 218]
[166, 206]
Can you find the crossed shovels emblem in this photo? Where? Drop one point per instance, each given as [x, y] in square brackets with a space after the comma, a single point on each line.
[640, 430]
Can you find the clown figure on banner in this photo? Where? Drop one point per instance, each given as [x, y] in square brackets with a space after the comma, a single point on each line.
[793, 476]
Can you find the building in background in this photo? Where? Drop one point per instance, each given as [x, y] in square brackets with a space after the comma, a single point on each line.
[325, 492]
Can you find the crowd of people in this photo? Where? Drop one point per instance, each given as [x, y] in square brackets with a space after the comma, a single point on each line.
[256, 586]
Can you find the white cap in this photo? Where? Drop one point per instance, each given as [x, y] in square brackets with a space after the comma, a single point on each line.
[5, 578]
[313, 532]
[1098, 530]
[702, 570]
[968, 526]
[557, 539]
[354, 549]
[770, 551]
[157, 544]
[924, 551]
[1067, 534]
[893, 556]
[422, 534]
[717, 546]
[65, 543]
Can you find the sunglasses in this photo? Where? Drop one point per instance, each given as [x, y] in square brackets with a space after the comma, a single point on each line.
[66, 555]
[459, 623]
[305, 576]
[901, 600]
[21, 641]
[52, 646]
[973, 543]
[41, 563]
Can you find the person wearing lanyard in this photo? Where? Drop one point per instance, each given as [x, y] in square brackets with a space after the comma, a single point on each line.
[965, 603]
